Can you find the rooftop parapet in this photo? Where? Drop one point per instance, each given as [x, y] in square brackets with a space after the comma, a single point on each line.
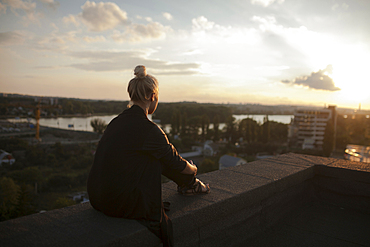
[244, 201]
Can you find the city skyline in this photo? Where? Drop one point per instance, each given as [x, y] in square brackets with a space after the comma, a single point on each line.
[273, 52]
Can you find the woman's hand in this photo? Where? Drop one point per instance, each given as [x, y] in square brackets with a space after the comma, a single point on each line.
[190, 169]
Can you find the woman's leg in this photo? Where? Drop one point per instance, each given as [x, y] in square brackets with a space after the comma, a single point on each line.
[162, 229]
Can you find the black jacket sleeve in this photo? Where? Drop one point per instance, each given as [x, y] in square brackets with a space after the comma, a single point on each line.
[157, 145]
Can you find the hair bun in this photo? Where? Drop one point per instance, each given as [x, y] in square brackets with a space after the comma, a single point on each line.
[140, 71]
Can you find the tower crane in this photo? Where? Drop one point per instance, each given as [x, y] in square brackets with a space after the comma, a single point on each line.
[37, 108]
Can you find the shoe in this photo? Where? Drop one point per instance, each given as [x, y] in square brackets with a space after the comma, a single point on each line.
[195, 188]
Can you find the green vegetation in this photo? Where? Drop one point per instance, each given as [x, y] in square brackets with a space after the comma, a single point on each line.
[208, 165]
[352, 130]
[42, 176]
[10, 106]
[74, 106]
[189, 111]
[98, 125]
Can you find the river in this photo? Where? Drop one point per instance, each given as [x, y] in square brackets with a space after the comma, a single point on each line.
[83, 123]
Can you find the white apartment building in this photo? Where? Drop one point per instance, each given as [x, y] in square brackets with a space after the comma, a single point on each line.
[308, 127]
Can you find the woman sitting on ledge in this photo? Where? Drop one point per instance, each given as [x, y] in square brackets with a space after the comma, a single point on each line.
[125, 179]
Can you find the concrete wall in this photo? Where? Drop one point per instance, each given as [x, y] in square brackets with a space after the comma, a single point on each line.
[244, 200]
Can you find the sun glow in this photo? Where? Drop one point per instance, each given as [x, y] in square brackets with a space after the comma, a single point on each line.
[350, 75]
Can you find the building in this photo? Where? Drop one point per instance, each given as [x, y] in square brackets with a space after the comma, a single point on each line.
[210, 148]
[196, 151]
[308, 127]
[6, 158]
[230, 161]
[79, 197]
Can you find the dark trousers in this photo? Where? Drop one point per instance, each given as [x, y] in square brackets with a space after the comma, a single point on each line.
[163, 229]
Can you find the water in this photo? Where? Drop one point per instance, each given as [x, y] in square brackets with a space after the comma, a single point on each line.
[83, 123]
[285, 119]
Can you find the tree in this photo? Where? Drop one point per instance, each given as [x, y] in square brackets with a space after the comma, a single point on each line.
[9, 192]
[216, 124]
[176, 122]
[278, 131]
[230, 129]
[266, 130]
[343, 133]
[30, 175]
[207, 165]
[184, 124]
[25, 198]
[328, 139]
[194, 125]
[247, 129]
[68, 107]
[98, 125]
[35, 156]
[205, 126]
[254, 131]
[60, 153]
[58, 182]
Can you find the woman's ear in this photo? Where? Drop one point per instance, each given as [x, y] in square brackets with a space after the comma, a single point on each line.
[152, 97]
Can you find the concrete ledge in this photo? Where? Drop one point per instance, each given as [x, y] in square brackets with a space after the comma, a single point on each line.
[244, 201]
[78, 225]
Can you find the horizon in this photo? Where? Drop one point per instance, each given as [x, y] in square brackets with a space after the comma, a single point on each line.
[174, 102]
[268, 52]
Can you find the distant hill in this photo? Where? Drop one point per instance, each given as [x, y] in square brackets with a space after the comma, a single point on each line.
[91, 106]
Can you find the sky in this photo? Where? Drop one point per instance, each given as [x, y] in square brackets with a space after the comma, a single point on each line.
[270, 52]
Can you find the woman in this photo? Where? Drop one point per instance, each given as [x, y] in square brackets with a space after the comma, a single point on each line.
[125, 179]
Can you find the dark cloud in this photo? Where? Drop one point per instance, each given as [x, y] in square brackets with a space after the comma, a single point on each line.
[119, 61]
[11, 38]
[317, 80]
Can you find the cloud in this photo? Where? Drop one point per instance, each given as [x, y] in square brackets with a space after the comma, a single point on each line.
[55, 41]
[336, 6]
[11, 38]
[168, 16]
[193, 52]
[140, 32]
[2, 8]
[27, 7]
[89, 39]
[51, 3]
[70, 19]
[211, 32]
[102, 16]
[266, 3]
[317, 80]
[126, 61]
[202, 23]
[108, 16]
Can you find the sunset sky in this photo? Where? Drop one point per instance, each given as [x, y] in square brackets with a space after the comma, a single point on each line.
[301, 52]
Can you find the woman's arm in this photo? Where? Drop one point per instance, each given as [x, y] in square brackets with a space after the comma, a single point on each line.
[157, 145]
[190, 169]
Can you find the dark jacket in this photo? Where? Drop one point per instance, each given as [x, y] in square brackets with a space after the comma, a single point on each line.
[125, 179]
